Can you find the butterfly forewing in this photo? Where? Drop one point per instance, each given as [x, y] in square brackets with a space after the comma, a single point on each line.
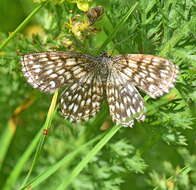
[82, 99]
[152, 74]
[125, 103]
[49, 71]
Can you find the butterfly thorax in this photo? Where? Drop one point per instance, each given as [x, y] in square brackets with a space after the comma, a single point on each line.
[102, 67]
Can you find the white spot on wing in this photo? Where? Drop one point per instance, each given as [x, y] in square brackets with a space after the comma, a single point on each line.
[70, 61]
[37, 70]
[43, 59]
[52, 84]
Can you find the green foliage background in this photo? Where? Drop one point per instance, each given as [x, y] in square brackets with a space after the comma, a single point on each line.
[157, 154]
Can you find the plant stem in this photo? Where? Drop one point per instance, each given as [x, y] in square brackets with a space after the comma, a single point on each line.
[65, 161]
[25, 21]
[46, 127]
[116, 29]
[88, 157]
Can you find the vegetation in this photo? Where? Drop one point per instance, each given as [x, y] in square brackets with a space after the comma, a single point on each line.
[41, 150]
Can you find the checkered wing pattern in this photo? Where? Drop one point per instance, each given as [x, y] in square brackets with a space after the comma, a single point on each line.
[88, 79]
[152, 74]
[125, 103]
[82, 99]
[48, 71]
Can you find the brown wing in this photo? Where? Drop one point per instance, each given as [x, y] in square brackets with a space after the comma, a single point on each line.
[152, 74]
[48, 71]
[125, 102]
[82, 99]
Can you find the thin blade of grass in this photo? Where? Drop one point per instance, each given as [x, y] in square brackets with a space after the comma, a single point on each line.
[116, 29]
[185, 170]
[25, 21]
[5, 141]
[46, 127]
[64, 162]
[11, 127]
[88, 157]
[11, 180]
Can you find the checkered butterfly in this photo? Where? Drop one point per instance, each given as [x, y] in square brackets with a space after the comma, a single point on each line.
[88, 80]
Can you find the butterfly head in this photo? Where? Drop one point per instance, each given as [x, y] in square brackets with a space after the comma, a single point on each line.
[104, 54]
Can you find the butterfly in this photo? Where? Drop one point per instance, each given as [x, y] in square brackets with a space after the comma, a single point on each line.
[89, 80]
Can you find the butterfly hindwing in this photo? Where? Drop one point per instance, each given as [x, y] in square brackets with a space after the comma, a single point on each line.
[82, 99]
[125, 102]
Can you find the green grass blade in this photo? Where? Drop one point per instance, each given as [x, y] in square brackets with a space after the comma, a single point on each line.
[185, 170]
[88, 157]
[11, 180]
[46, 127]
[10, 129]
[116, 29]
[64, 162]
[25, 21]
[20, 164]
[5, 140]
